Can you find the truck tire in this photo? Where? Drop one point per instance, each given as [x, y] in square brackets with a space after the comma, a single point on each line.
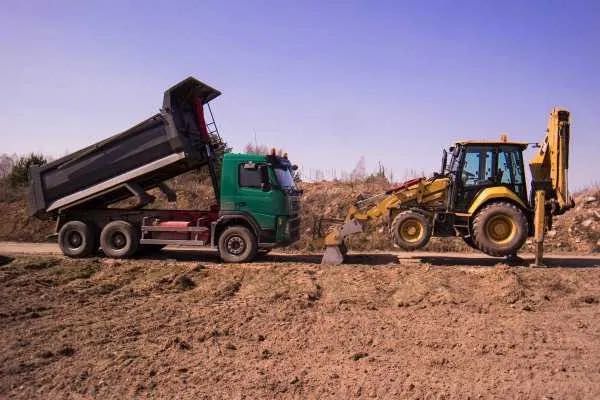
[119, 239]
[237, 244]
[500, 229]
[77, 239]
[411, 230]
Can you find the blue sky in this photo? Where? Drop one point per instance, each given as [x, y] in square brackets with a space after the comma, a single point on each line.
[328, 82]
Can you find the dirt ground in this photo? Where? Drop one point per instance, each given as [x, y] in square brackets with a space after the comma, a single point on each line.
[185, 326]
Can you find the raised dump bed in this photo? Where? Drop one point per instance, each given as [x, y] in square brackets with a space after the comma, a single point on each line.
[165, 145]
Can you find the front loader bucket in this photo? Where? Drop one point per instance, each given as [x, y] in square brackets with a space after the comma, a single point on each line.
[332, 256]
[335, 238]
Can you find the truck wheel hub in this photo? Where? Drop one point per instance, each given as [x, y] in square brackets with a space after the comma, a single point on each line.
[236, 245]
[118, 240]
[75, 239]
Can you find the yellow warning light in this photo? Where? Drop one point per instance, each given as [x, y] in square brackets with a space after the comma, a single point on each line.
[504, 137]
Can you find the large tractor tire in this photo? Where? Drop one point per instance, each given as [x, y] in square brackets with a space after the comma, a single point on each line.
[119, 239]
[500, 229]
[411, 230]
[237, 244]
[77, 239]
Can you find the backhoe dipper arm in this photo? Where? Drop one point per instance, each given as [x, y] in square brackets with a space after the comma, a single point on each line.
[550, 166]
[419, 191]
[549, 171]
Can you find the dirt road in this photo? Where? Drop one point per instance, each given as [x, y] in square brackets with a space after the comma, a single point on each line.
[372, 258]
[184, 325]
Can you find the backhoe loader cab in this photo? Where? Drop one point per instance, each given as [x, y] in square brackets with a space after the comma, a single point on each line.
[477, 165]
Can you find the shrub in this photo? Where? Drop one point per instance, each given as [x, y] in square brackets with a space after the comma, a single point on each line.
[19, 175]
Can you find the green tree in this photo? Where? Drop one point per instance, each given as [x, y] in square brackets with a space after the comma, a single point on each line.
[19, 175]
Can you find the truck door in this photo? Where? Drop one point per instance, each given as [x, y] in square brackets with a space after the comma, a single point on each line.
[476, 173]
[255, 195]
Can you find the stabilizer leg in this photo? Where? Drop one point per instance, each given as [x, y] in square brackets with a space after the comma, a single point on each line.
[539, 225]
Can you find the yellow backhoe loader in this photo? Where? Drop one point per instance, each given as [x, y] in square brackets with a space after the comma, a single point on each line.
[480, 196]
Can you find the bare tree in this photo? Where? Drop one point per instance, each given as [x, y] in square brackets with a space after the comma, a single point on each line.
[6, 164]
[360, 170]
[255, 148]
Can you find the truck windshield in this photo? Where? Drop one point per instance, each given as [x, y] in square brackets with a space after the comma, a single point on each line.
[285, 178]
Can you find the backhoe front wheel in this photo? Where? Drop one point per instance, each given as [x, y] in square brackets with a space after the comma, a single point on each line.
[500, 229]
[411, 230]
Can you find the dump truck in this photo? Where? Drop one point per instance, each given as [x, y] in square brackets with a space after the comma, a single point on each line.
[480, 196]
[99, 195]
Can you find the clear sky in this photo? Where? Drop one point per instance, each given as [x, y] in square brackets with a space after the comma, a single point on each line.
[328, 82]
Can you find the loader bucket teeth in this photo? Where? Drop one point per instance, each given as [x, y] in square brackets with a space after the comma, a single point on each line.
[332, 256]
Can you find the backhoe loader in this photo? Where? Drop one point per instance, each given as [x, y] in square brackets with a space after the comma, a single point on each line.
[480, 195]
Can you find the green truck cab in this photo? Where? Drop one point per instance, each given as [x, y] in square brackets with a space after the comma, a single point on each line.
[259, 205]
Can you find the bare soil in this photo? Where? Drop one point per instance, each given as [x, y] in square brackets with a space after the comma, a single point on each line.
[185, 326]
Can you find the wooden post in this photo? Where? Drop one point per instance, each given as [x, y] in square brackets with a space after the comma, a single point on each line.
[539, 224]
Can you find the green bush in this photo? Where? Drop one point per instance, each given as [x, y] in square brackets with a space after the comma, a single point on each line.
[19, 175]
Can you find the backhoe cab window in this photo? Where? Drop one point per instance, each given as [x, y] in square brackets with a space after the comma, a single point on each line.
[510, 168]
[477, 166]
[250, 177]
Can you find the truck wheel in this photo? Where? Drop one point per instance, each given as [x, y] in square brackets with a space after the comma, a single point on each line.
[237, 244]
[500, 229]
[77, 239]
[119, 239]
[411, 230]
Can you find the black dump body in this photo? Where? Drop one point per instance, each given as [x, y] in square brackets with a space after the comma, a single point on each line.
[165, 145]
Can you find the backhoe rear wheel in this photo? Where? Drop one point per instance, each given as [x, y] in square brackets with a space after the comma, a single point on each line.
[411, 230]
[500, 229]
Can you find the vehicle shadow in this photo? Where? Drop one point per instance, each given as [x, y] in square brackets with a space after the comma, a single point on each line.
[357, 259]
[441, 259]
[549, 261]
[5, 260]
[212, 256]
